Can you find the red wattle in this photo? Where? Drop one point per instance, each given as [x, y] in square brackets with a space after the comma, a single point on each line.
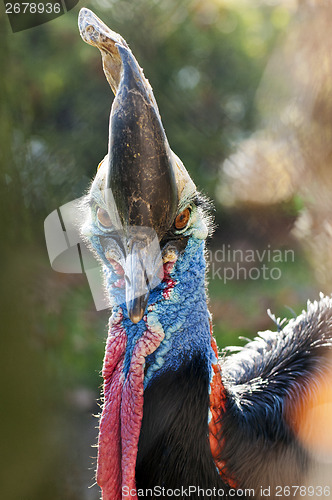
[122, 413]
[109, 475]
[132, 405]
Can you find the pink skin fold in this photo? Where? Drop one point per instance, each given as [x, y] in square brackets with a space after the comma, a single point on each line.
[109, 442]
[122, 413]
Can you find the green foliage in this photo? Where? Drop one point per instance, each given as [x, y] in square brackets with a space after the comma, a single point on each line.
[239, 306]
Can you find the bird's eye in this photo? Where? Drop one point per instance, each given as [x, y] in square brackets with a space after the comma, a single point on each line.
[104, 218]
[182, 219]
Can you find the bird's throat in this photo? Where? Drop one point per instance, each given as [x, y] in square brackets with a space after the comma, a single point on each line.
[174, 334]
[122, 413]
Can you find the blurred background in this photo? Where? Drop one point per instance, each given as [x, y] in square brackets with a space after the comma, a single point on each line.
[245, 92]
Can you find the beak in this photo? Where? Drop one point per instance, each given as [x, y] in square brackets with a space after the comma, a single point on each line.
[136, 259]
[142, 267]
[137, 288]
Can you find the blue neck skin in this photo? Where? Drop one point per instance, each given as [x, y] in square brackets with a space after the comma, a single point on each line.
[183, 316]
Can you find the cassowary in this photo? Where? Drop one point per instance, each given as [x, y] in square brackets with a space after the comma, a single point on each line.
[176, 419]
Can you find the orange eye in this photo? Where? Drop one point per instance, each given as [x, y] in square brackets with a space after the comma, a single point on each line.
[182, 219]
[104, 218]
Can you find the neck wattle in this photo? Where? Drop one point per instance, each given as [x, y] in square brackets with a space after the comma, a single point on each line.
[177, 311]
[180, 310]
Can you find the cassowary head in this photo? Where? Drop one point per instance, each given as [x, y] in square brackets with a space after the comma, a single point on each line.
[145, 221]
[143, 206]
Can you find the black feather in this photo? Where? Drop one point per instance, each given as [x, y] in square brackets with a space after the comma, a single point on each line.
[263, 378]
[174, 449]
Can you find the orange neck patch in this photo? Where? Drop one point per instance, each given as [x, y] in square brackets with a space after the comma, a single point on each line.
[217, 409]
